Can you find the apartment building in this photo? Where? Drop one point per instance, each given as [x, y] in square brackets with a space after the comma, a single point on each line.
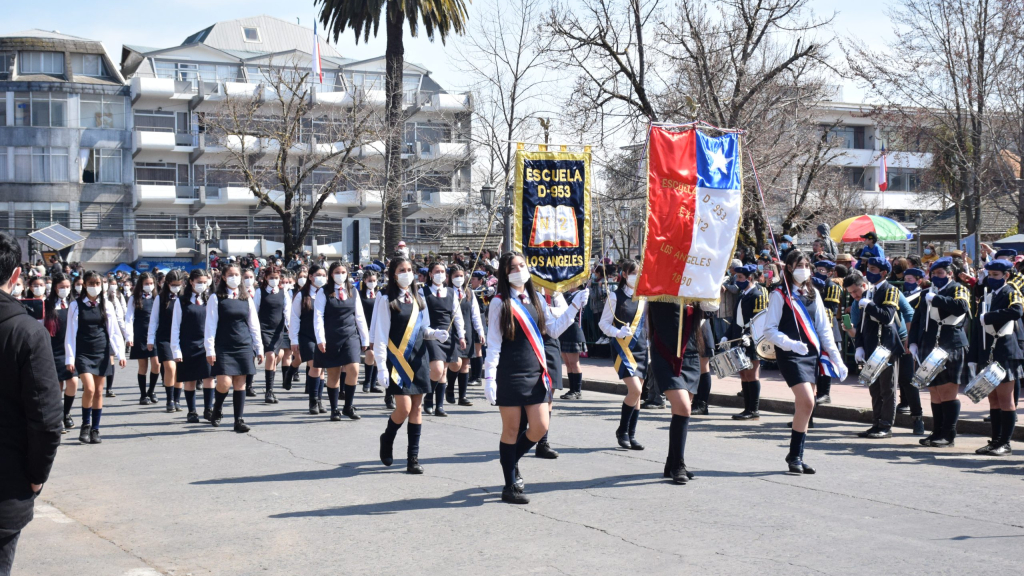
[182, 177]
[64, 144]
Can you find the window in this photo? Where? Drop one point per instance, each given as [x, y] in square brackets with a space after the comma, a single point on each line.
[159, 173]
[41, 62]
[3, 164]
[102, 111]
[251, 34]
[88, 65]
[22, 109]
[153, 121]
[6, 63]
[904, 180]
[853, 177]
[847, 136]
[367, 81]
[48, 109]
[103, 165]
[3, 108]
[37, 164]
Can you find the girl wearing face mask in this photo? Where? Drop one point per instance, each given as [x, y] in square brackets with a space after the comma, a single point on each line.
[798, 358]
[159, 336]
[474, 330]
[92, 337]
[401, 321]
[77, 287]
[249, 285]
[341, 336]
[36, 289]
[188, 326]
[303, 336]
[445, 314]
[56, 323]
[274, 309]
[136, 321]
[368, 299]
[624, 322]
[19, 288]
[289, 362]
[233, 342]
[752, 300]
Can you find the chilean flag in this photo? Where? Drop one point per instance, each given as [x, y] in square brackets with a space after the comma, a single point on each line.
[317, 68]
[883, 172]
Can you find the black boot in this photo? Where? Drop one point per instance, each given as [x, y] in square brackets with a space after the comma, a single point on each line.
[996, 422]
[950, 415]
[268, 393]
[749, 403]
[387, 442]
[412, 465]
[249, 392]
[622, 432]
[937, 418]
[700, 400]
[633, 417]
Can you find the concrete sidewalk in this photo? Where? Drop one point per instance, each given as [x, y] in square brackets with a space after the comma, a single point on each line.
[851, 401]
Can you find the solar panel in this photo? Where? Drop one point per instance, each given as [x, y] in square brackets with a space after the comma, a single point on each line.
[57, 237]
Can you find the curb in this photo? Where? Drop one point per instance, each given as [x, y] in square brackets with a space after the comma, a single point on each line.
[829, 411]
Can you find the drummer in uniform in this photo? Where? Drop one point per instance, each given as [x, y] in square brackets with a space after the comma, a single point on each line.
[996, 337]
[910, 396]
[879, 304]
[831, 293]
[752, 300]
[940, 323]
[1015, 279]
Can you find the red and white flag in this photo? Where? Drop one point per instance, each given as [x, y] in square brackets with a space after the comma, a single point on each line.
[883, 172]
[318, 70]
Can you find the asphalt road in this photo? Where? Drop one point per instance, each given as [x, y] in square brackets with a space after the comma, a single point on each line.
[302, 495]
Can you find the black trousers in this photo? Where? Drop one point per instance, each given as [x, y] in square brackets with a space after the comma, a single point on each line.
[8, 543]
[883, 399]
[909, 393]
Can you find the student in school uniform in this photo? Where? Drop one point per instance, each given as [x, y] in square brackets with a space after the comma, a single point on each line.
[623, 321]
[303, 336]
[114, 297]
[341, 335]
[249, 285]
[287, 370]
[188, 325]
[474, 331]
[55, 317]
[233, 341]
[159, 336]
[571, 343]
[91, 339]
[445, 314]
[136, 321]
[368, 299]
[274, 309]
[401, 321]
[752, 299]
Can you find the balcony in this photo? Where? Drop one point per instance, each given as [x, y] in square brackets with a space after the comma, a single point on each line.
[449, 103]
[155, 140]
[151, 88]
[165, 247]
[444, 151]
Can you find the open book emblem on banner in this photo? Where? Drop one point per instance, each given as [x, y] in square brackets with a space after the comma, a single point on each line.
[554, 227]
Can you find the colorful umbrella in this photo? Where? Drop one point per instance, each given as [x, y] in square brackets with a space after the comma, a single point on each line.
[851, 229]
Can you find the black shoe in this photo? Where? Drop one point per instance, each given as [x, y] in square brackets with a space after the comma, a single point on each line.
[987, 448]
[177, 407]
[428, 411]
[351, 413]
[269, 398]
[366, 389]
[512, 495]
[450, 398]
[927, 441]
[689, 475]
[386, 448]
[623, 440]
[169, 408]
[412, 466]
[144, 401]
[312, 408]
[192, 418]
[740, 393]
[545, 451]
[518, 481]
[440, 412]
[1002, 450]
[286, 384]
[464, 402]
[94, 437]
[679, 475]
[867, 433]
[215, 417]
[376, 389]
[918, 426]
[699, 409]
[249, 392]
[807, 469]
[796, 467]
[903, 408]
[634, 445]
[110, 394]
[335, 416]
[823, 399]
[650, 405]
[207, 414]
[568, 395]
[880, 434]
[389, 404]
[68, 423]
[83, 433]
[986, 419]
[942, 443]
[747, 415]
[320, 407]
[152, 397]
[241, 427]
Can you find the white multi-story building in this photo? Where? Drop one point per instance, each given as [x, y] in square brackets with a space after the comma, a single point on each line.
[182, 177]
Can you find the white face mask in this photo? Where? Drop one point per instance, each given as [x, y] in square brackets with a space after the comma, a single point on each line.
[248, 282]
[371, 285]
[63, 292]
[175, 289]
[105, 286]
[17, 291]
[319, 281]
[94, 291]
[147, 288]
[78, 288]
[458, 281]
[233, 281]
[199, 287]
[518, 279]
[631, 280]
[340, 278]
[801, 275]
[38, 290]
[301, 282]
[404, 279]
[439, 278]
[273, 282]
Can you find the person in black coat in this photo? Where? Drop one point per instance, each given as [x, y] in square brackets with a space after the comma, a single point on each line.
[31, 419]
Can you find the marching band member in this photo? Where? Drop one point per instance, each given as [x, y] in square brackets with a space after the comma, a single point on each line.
[474, 331]
[233, 338]
[303, 336]
[831, 292]
[341, 336]
[136, 321]
[401, 327]
[995, 337]
[55, 320]
[752, 300]
[445, 312]
[188, 325]
[797, 325]
[92, 338]
[571, 343]
[910, 396]
[940, 323]
[273, 308]
[368, 299]
[158, 336]
[623, 321]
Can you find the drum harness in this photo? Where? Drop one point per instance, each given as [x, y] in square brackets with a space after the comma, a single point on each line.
[932, 313]
[1004, 330]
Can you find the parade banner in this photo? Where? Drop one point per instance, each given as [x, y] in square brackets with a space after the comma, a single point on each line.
[552, 224]
[694, 200]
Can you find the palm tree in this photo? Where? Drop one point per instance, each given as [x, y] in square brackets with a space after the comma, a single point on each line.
[363, 17]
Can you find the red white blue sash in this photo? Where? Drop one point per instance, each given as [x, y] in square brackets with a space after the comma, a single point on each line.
[803, 320]
[533, 336]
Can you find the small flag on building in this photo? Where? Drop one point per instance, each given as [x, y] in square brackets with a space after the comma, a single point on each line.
[318, 70]
[883, 172]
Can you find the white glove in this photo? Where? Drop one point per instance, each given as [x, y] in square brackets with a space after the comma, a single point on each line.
[841, 370]
[581, 298]
[382, 378]
[798, 348]
[441, 336]
[623, 332]
[709, 306]
[929, 296]
[981, 320]
[746, 341]
[491, 390]
[913, 351]
[859, 355]
[863, 303]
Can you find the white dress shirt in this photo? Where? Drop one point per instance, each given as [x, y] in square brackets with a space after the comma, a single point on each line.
[821, 324]
[554, 323]
[213, 315]
[475, 317]
[71, 336]
[607, 322]
[154, 319]
[382, 329]
[320, 303]
[460, 324]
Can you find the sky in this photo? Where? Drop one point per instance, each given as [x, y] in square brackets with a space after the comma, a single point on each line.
[168, 22]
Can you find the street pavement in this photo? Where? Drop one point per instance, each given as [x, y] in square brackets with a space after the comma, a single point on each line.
[302, 495]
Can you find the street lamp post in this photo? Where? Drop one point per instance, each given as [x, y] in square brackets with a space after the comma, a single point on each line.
[506, 211]
[204, 237]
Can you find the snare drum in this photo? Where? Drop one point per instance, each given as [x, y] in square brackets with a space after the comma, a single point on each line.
[763, 347]
[984, 383]
[930, 368]
[875, 365]
[730, 362]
